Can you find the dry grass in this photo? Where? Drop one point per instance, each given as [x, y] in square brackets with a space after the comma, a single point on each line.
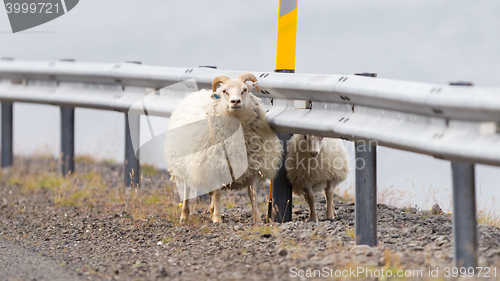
[394, 197]
[92, 190]
[350, 232]
[265, 229]
[84, 158]
[487, 212]
[149, 170]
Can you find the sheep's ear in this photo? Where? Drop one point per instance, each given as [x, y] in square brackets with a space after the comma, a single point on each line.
[249, 77]
[252, 85]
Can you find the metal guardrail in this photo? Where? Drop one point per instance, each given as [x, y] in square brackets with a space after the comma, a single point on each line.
[446, 121]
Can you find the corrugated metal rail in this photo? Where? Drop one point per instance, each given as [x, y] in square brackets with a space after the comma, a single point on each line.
[450, 122]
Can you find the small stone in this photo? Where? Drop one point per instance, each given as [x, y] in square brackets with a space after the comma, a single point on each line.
[362, 250]
[287, 225]
[163, 273]
[436, 210]
[283, 252]
[237, 228]
[159, 243]
[440, 241]
[493, 253]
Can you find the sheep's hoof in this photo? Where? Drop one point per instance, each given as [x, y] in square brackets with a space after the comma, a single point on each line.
[217, 219]
[257, 220]
[333, 219]
[183, 219]
[311, 220]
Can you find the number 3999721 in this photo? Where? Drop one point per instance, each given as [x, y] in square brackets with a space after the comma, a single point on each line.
[32, 8]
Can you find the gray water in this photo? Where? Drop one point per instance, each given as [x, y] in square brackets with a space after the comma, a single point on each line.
[428, 41]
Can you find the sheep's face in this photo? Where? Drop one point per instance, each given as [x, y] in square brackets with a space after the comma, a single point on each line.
[314, 144]
[234, 93]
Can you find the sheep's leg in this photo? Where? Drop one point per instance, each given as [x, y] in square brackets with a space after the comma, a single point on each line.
[211, 209]
[330, 210]
[216, 215]
[252, 194]
[309, 197]
[185, 204]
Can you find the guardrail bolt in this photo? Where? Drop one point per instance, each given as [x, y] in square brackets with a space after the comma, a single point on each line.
[367, 74]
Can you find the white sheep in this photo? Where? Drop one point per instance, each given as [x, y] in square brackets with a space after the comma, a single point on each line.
[263, 148]
[313, 164]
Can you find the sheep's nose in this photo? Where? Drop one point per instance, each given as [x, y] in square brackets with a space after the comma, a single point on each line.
[235, 102]
[314, 153]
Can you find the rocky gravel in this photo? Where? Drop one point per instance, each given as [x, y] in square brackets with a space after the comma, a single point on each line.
[95, 243]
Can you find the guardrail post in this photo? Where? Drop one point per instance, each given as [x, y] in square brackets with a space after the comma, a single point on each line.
[464, 210]
[7, 134]
[282, 188]
[67, 140]
[366, 190]
[464, 215]
[366, 194]
[131, 166]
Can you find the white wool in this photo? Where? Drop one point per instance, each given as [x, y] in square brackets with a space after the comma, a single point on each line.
[304, 170]
[262, 145]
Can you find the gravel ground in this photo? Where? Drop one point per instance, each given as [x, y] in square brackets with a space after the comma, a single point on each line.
[19, 264]
[93, 242]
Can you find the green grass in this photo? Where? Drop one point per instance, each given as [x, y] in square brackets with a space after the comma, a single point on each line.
[152, 199]
[85, 158]
[73, 200]
[229, 204]
[148, 170]
[168, 239]
[350, 232]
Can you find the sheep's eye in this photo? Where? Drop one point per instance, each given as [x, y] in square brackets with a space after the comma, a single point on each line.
[225, 92]
[244, 91]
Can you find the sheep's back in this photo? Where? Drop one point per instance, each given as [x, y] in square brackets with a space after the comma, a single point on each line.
[186, 119]
[303, 170]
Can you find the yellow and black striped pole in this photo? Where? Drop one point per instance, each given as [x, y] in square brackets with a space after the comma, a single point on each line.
[281, 188]
[287, 36]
